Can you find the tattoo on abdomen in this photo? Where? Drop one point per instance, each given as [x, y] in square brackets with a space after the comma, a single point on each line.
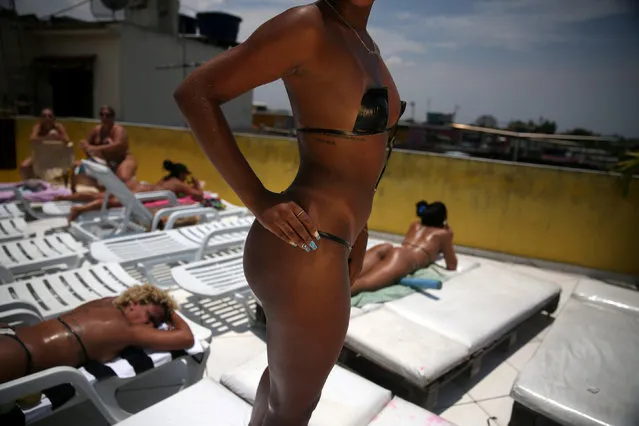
[332, 141]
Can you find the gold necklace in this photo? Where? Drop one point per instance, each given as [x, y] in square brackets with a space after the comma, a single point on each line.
[371, 52]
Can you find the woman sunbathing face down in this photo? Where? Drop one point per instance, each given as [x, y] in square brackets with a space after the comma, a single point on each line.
[180, 181]
[97, 331]
[427, 237]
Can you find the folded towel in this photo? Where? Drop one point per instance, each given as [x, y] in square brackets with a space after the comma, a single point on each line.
[132, 361]
[422, 278]
[383, 295]
[32, 190]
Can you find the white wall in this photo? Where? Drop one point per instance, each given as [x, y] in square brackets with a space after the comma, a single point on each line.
[147, 92]
[101, 42]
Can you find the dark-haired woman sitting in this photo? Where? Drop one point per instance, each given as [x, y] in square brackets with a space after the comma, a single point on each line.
[426, 238]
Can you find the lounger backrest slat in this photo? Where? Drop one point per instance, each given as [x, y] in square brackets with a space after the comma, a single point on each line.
[116, 187]
[9, 210]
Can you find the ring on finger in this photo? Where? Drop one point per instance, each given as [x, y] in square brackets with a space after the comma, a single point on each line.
[299, 213]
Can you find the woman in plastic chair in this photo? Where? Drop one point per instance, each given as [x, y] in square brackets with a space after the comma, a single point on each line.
[180, 181]
[346, 107]
[426, 238]
[97, 331]
[46, 129]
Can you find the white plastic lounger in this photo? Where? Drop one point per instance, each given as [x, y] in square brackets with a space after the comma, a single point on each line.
[474, 308]
[14, 229]
[593, 291]
[157, 247]
[416, 353]
[135, 216]
[56, 293]
[209, 403]
[424, 336]
[206, 403]
[34, 254]
[347, 399]
[220, 275]
[9, 210]
[584, 372]
[99, 382]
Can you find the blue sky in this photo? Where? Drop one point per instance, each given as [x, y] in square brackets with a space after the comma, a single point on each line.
[573, 61]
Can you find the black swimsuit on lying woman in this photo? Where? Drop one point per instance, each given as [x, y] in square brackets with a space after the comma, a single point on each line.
[372, 119]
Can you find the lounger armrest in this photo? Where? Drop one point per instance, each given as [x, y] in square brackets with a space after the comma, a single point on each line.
[209, 212]
[33, 383]
[157, 195]
[199, 254]
[19, 311]
[26, 204]
[178, 211]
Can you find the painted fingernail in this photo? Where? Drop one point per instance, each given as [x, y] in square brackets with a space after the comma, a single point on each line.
[305, 247]
[313, 245]
[292, 243]
[317, 235]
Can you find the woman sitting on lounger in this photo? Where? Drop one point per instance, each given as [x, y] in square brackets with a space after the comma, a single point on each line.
[97, 331]
[386, 264]
[180, 181]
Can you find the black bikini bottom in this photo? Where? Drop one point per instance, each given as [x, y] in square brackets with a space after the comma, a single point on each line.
[77, 337]
[336, 239]
[8, 331]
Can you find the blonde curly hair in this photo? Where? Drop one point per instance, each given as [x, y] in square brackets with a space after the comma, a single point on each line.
[147, 294]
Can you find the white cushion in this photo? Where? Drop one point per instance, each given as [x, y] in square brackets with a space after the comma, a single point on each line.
[606, 294]
[477, 307]
[402, 346]
[347, 399]
[584, 372]
[205, 403]
[399, 412]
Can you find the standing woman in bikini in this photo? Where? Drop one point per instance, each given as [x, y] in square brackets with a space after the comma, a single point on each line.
[309, 240]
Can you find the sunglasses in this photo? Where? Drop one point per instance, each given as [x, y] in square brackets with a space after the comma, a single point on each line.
[106, 114]
[46, 115]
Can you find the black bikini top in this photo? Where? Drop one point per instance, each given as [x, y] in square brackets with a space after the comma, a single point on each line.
[372, 119]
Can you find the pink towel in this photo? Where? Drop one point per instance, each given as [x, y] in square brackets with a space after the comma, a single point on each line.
[163, 203]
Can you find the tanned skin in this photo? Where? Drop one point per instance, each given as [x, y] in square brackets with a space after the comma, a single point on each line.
[105, 331]
[385, 264]
[305, 295]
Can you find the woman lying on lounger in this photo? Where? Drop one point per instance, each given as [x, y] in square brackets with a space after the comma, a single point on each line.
[97, 331]
[180, 181]
[386, 264]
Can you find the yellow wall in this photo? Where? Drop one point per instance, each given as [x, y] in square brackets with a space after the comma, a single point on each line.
[547, 213]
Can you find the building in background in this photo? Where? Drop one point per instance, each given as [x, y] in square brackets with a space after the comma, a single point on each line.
[132, 61]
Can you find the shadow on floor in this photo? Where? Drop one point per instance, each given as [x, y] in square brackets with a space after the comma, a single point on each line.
[221, 315]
